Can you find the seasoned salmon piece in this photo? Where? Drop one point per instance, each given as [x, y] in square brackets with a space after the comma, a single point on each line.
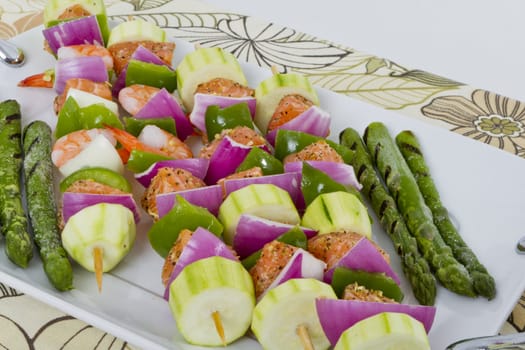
[319, 150]
[224, 87]
[288, 108]
[240, 134]
[93, 187]
[356, 292]
[74, 11]
[274, 257]
[168, 180]
[331, 247]
[122, 52]
[174, 255]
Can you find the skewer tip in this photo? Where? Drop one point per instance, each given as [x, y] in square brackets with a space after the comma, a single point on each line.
[303, 334]
[275, 70]
[218, 326]
[98, 260]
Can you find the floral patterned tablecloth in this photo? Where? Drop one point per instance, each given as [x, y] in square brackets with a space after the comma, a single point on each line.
[482, 115]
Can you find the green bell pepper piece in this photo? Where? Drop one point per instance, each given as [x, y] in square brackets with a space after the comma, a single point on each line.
[370, 280]
[140, 161]
[183, 215]
[218, 119]
[258, 157]
[295, 236]
[150, 74]
[315, 182]
[72, 118]
[100, 175]
[135, 125]
[291, 141]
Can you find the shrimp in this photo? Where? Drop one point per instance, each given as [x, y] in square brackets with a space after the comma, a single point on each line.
[132, 98]
[70, 145]
[154, 140]
[101, 89]
[168, 180]
[46, 79]
[86, 50]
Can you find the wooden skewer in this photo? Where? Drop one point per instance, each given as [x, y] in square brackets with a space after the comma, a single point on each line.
[98, 252]
[275, 70]
[218, 326]
[303, 334]
[197, 46]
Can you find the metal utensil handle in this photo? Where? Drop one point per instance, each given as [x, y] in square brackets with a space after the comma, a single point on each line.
[10, 54]
[499, 342]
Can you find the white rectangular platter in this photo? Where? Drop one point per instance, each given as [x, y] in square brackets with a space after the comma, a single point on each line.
[481, 186]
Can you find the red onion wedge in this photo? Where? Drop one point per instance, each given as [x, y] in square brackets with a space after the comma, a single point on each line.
[337, 315]
[73, 202]
[87, 67]
[363, 256]
[202, 244]
[301, 265]
[202, 101]
[197, 166]
[290, 182]
[253, 232]
[84, 30]
[339, 172]
[228, 155]
[209, 197]
[163, 104]
[313, 121]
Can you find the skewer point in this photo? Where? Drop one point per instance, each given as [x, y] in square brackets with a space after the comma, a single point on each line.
[275, 70]
[97, 259]
[302, 332]
[218, 326]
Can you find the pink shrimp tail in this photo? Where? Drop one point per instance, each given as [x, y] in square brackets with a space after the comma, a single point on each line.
[42, 80]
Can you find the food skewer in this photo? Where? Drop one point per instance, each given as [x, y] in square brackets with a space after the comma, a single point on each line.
[302, 332]
[216, 316]
[98, 262]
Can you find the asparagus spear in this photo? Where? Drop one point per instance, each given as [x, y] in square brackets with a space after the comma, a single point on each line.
[18, 245]
[418, 217]
[415, 267]
[41, 205]
[409, 146]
